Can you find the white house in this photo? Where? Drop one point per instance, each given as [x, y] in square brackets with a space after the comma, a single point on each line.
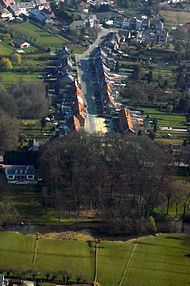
[20, 174]
[6, 14]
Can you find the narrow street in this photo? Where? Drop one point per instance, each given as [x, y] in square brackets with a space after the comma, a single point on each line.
[93, 123]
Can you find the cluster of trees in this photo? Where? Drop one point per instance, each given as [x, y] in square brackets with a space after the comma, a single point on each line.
[7, 64]
[21, 101]
[24, 100]
[64, 13]
[122, 178]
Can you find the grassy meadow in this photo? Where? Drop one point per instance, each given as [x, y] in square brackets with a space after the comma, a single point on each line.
[41, 36]
[143, 261]
[13, 77]
[175, 18]
[165, 119]
[5, 49]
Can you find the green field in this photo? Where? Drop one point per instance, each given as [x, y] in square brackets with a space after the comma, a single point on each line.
[166, 119]
[5, 50]
[59, 254]
[8, 78]
[41, 36]
[160, 260]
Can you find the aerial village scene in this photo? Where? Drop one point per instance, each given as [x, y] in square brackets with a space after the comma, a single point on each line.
[95, 142]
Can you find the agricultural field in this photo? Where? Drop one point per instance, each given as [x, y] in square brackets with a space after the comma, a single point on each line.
[166, 119]
[32, 129]
[168, 123]
[143, 261]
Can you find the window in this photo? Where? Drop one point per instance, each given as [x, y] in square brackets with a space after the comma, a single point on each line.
[30, 177]
[10, 177]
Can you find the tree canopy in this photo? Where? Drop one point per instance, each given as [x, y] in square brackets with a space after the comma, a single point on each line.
[25, 100]
[119, 176]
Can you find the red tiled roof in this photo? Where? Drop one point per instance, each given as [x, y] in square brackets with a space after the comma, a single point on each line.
[125, 119]
[112, 100]
[80, 102]
[76, 123]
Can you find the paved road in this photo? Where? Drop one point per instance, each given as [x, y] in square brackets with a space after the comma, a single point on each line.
[93, 124]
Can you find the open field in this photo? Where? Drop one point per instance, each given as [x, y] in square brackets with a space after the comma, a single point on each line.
[41, 36]
[175, 18]
[76, 256]
[175, 121]
[5, 50]
[16, 251]
[8, 78]
[169, 141]
[166, 119]
[144, 262]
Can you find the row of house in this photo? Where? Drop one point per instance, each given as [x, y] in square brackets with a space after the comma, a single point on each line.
[23, 8]
[25, 5]
[92, 20]
[145, 30]
[70, 102]
[110, 81]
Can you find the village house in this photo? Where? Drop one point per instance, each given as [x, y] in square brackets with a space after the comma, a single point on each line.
[93, 21]
[19, 43]
[22, 7]
[64, 65]
[5, 14]
[20, 174]
[33, 145]
[40, 16]
[41, 4]
[125, 120]
[77, 25]
[78, 104]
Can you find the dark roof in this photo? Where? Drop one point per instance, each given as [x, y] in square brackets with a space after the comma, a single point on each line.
[19, 42]
[41, 16]
[19, 170]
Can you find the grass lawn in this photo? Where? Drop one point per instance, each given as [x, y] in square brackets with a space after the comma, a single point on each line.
[5, 50]
[150, 261]
[36, 32]
[112, 258]
[16, 251]
[166, 119]
[172, 210]
[169, 141]
[76, 256]
[162, 260]
[8, 78]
